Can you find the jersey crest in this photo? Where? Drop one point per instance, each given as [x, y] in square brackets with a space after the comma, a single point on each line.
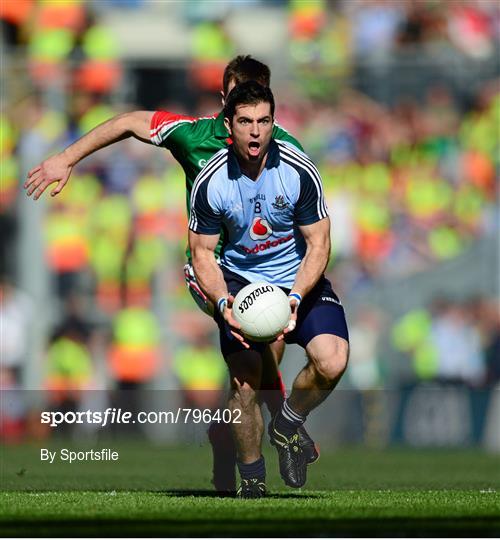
[279, 202]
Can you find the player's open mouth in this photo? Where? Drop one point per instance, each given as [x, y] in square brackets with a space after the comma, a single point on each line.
[254, 148]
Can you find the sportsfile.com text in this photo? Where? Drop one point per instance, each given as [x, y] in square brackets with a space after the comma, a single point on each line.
[119, 416]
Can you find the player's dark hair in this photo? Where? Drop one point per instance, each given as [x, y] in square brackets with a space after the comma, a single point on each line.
[245, 68]
[247, 93]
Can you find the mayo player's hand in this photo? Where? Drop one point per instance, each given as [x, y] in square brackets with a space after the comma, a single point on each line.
[235, 327]
[54, 169]
[294, 306]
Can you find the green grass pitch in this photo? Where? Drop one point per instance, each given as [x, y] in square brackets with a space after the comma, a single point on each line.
[164, 491]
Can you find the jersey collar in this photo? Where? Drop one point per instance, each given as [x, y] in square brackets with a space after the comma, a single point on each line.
[233, 167]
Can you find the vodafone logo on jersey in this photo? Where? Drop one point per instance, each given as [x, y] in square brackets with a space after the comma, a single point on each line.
[267, 245]
[260, 229]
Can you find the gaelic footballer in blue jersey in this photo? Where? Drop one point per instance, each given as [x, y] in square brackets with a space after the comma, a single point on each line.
[268, 197]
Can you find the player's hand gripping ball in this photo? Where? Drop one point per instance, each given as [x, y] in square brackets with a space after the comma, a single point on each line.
[262, 310]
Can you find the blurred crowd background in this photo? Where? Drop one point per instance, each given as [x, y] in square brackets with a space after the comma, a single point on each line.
[396, 101]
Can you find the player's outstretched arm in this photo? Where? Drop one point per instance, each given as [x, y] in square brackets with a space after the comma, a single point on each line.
[317, 237]
[57, 168]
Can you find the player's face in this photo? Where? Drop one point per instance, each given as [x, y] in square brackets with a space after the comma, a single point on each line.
[251, 130]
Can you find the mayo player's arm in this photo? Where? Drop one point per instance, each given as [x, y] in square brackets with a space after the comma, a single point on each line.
[317, 237]
[58, 168]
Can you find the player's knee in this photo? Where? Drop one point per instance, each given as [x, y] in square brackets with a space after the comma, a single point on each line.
[330, 361]
[244, 396]
[329, 369]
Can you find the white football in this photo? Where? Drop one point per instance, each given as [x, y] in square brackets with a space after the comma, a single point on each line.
[262, 310]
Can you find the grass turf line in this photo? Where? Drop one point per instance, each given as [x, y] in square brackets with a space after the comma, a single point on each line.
[337, 513]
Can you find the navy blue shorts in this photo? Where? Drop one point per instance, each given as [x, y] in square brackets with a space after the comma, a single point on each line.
[320, 312]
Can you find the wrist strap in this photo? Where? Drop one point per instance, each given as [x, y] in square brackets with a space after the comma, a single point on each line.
[297, 297]
[221, 304]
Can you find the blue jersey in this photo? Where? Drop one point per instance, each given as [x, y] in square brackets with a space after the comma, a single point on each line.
[261, 217]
